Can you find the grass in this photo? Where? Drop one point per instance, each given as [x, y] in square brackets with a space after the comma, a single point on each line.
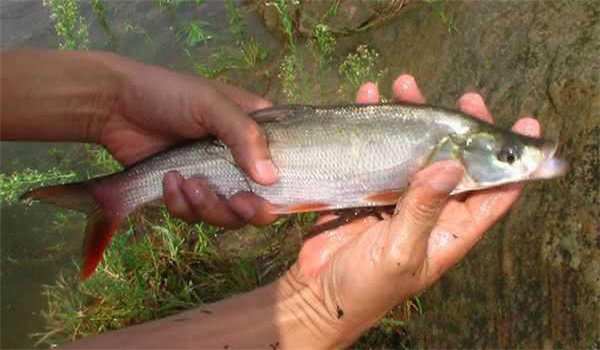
[71, 28]
[447, 18]
[193, 33]
[245, 54]
[358, 68]
[16, 184]
[174, 267]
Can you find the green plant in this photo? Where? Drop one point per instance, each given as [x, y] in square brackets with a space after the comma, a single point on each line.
[252, 53]
[287, 75]
[447, 18]
[138, 30]
[14, 185]
[99, 8]
[322, 43]
[360, 67]
[101, 159]
[70, 26]
[236, 28]
[193, 33]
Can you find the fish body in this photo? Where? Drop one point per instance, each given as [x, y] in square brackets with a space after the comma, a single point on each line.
[325, 157]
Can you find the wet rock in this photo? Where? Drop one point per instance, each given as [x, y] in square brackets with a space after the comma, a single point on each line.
[340, 16]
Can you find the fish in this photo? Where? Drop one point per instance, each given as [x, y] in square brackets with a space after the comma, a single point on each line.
[326, 157]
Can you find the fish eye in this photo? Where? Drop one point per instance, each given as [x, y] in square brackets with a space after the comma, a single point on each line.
[508, 154]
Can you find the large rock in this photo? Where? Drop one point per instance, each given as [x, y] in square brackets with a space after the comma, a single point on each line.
[349, 15]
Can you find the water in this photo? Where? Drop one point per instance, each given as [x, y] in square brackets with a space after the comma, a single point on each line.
[532, 282]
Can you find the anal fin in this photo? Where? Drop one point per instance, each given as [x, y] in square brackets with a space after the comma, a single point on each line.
[301, 208]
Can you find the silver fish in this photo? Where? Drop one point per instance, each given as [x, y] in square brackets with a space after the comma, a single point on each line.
[326, 158]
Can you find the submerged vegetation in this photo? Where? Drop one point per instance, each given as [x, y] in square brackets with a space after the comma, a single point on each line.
[71, 28]
[156, 264]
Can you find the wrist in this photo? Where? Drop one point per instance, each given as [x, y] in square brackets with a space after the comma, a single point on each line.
[315, 322]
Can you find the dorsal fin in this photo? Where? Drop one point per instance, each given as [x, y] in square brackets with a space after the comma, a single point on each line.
[279, 113]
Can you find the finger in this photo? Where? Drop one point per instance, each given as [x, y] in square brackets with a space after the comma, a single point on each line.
[174, 198]
[418, 211]
[236, 129]
[528, 126]
[206, 206]
[252, 208]
[368, 93]
[472, 103]
[405, 89]
[245, 99]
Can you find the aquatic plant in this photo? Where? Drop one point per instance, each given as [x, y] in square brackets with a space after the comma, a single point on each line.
[360, 67]
[71, 28]
[236, 28]
[287, 75]
[16, 184]
[322, 43]
[100, 159]
[252, 53]
[193, 33]
[447, 18]
[168, 5]
[174, 267]
[248, 53]
[137, 30]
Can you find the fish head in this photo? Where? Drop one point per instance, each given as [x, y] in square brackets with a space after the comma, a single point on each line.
[494, 157]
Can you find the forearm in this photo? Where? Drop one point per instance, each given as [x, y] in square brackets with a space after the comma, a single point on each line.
[57, 96]
[280, 315]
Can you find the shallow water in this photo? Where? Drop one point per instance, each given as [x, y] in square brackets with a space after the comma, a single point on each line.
[532, 282]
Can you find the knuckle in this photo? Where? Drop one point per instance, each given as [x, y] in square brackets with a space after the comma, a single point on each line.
[254, 133]
[423, 211]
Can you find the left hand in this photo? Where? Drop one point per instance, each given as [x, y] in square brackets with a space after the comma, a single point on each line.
[352, 275]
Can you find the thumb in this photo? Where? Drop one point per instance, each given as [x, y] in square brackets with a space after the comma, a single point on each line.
[232, 125]
[418, 211]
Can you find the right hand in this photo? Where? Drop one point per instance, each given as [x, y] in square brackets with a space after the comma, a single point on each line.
[157, 108]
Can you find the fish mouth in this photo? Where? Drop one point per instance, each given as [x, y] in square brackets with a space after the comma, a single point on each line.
[550, 167]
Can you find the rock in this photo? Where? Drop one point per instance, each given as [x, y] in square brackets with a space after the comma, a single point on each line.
[350, 15]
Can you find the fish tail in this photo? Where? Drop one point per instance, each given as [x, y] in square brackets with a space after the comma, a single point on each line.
[102, 220]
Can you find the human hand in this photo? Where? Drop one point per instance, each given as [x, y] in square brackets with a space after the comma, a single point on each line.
[158, 108]
[352, 275]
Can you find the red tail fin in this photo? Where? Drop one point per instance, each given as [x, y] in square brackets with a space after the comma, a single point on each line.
[101, 223]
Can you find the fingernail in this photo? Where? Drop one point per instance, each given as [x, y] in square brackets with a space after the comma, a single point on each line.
[194, 191]
[471, 99]
[266, 171]
[171, 181]
[244, 209]
[447, 178]
[405, 82]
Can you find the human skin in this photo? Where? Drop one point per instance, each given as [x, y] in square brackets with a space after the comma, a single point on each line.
[345, 279]
[135, 110]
